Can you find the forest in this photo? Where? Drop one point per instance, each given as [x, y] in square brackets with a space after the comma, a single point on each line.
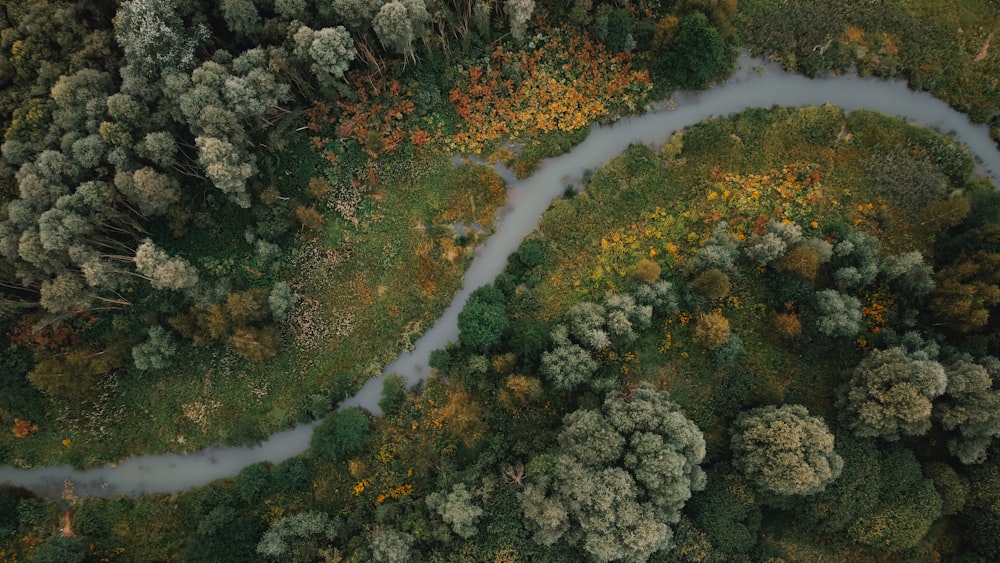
[774, 337]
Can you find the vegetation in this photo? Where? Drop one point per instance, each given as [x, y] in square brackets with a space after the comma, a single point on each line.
[773, 338]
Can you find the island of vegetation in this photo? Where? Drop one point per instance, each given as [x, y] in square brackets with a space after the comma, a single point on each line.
[774, 337]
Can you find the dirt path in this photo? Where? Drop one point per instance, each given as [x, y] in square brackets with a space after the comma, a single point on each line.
[985, 52]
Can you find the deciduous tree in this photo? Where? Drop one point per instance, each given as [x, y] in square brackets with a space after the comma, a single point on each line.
[890, 395]
[784, 450]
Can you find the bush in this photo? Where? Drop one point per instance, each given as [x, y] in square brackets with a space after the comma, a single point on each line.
[291, 476]
[712, 283]
[647, 271]
[393, 394]
[801, 261]
[711, 330]
[252, 482]
[481, 325]
[839, 315]
[786, 325]
[342, 435]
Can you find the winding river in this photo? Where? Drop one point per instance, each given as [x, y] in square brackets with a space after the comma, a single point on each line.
[755, 84]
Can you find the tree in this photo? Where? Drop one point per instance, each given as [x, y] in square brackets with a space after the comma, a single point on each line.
[62, 549]
[967, 292]
[227, 167]
[154, 38]
[971, 408]
[152, 192]
[696, 56]
[908, 272]
[618, 479]
[392, 546]
[163, 271]
[481, 325]
[280, 300]
[343, 434]
[661, 296]
[64, 293]
[889, 395]
[801, 261]
[839, 314]
[784, 450]
[242, 17]
[568, 366]
[518, 14]
[712, 283]
[398, 22]
[332, 49]
[154, 353]
[719, 251]
[457, 510]
[298, 537]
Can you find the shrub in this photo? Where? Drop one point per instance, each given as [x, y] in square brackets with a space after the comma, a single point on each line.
[647, 271]
[342, 435]
[711, 330]
[839, 315]
[786, 325]
[482, 325]
[712, 283]
[800, 261]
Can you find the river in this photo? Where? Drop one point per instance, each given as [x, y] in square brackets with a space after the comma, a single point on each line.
[755, 84]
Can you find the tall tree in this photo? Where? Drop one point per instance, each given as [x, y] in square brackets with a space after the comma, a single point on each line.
[784, 450]
[618, 479]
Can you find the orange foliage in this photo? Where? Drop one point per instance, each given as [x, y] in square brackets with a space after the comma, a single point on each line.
[563, 85]
[23, 428]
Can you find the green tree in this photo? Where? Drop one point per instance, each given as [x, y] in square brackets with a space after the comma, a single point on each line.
[481, 325]
[568, 366]
[332, 49]
[242, 17]
[784, 450]
[298, 537]
[696, 56]
[154, 38]
[971, 408]
[156, 351]
[839, 314]
[618, 478]
[890, 395]
[457, 509]
[343, 434]
[392, 546]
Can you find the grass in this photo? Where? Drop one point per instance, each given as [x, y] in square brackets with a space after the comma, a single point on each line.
[939, 46]
[367, 291]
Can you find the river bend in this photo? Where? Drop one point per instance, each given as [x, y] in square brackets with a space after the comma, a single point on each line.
[755, 84]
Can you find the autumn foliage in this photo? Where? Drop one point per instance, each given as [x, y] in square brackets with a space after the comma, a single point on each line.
[565, 84]
[23, 428]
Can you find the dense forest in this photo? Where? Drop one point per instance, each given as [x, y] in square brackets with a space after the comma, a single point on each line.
[773, 338]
